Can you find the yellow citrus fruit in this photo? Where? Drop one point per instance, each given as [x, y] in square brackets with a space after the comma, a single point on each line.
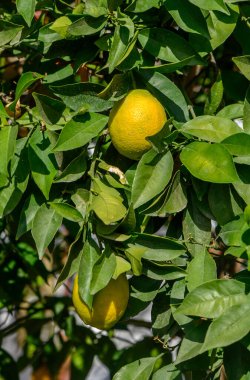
[42, 373]
[109, 304]
[134, 118]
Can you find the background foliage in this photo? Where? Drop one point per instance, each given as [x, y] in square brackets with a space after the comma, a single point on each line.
[69, 202]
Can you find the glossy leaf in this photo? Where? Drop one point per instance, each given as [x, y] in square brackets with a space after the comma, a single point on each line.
[50, 109]
[213, 298]
[80, 130]
[82, 96]
[103, 271]
[243, 64]
[87, 25]
[73, 261]
[24, 82]
[211, 163]
[45, 226]
[26, 9]
[138, 370]
[215, 97]
[11, 195]
[90, 255]
[75, 169]
[212, 5]
[29, 210]
[8, 31]
[165, 45]
[211, 128]
[201, 269]
[167, 93]
[229, 328]
[67, 211]
[42, 161]
[187, 16]
[246, 112]
[107, 203]
[149, 181]
[8, 135]
[238, 144]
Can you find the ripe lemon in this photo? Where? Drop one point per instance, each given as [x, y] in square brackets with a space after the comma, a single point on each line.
[109, 304]
[134, 118]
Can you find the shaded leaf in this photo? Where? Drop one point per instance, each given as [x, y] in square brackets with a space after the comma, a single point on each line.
[45, 226]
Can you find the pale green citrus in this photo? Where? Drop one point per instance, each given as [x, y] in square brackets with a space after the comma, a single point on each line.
[134, 118]
[109, 304]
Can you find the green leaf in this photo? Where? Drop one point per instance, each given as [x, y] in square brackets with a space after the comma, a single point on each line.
[50, 109]
[221, 26]
[67, 211]
[236, 360]
[42, 161]
[231, 232]
[243, 64]
[122, 36]
[135, 253]
[24, 82]
[107, 203]
[122, 266]
[45, 226]
[80, 131]
[26, 10]
[201, 269]
[196, 226]
[230, 327]
[66, 73]
[80, 96]
[29, 210]
[87, 25]
[90, 256]
[232, 111]
[138, 6]
[193, 340]
[222, 203]
[166, 45]
[176, 199]
[8, 31]
[19, 176]
[187, 16]
[211, 5]
[60, 26]
[213, 298]
[139, 370]
[149, 181]
[81, 200]
[75, 169]
[73, 261]
[103, 271]
[8, 135]
[238, 144]
[211, 128]
[168, 372]
[167, 93]
[117, 88]
[166, 272]
[246, 112]
[215, 97]
[211, 163]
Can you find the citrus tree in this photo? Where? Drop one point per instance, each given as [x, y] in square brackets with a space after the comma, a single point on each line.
[124, 159]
